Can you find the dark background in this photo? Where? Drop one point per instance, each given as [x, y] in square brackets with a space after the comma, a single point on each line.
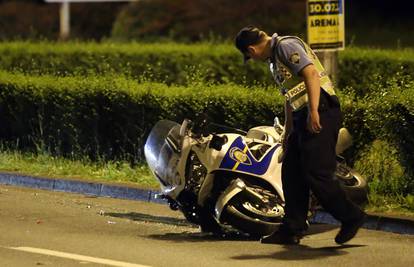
[378, 23]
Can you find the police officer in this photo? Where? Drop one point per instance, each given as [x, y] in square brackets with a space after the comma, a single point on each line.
[312, 123]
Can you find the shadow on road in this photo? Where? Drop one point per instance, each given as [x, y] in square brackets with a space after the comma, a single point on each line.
[231, 236]
[198, 236]
[184, 236]
[301, 252]
[141, 217]
[202, 237]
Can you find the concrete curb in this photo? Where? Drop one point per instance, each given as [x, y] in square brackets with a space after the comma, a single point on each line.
[80, 187]
[374, 221]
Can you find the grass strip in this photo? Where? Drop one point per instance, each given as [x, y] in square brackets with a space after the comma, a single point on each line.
[44, 165]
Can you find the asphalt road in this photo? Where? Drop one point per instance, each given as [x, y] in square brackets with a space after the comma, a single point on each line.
[43, 228]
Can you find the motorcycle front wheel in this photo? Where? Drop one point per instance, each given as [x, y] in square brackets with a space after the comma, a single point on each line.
[243, 215]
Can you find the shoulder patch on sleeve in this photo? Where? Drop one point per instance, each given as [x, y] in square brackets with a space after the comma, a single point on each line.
[294, 58]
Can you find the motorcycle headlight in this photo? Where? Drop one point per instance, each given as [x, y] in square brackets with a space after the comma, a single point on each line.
[196, 172]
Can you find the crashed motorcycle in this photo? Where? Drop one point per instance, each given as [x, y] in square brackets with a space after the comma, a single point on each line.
[225, 179]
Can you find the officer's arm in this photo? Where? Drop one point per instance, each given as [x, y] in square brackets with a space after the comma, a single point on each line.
[311, 79]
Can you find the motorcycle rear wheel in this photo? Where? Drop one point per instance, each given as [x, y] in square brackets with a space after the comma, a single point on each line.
[353, 183]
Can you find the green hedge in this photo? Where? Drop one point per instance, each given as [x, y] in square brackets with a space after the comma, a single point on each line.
[169, 63]
[182, 64]
[383, 126]
[364, 70]
[111, 116]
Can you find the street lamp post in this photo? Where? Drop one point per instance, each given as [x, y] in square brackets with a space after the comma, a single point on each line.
[326, 32]
[65, 13]
[64, 21]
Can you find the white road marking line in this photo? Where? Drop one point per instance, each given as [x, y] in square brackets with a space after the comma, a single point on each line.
[77, 257]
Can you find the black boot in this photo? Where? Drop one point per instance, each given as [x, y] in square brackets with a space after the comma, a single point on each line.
[282, 238]
[349, 230]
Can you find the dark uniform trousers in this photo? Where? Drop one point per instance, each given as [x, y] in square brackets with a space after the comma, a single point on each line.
[309, 164]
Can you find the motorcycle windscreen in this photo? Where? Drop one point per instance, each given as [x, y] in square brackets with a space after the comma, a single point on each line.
[162, 150]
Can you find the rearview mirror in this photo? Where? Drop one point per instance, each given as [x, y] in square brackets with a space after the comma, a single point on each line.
[183, 128]
[344, 141]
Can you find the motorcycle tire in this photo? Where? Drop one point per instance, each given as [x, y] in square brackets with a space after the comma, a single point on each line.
[356, 187]
[246, 224]
[209, 225]
[204, 219]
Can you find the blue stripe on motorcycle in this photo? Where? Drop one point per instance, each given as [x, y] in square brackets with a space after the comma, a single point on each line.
[251, 165]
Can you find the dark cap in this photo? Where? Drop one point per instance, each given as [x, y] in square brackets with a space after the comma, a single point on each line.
[247, 36]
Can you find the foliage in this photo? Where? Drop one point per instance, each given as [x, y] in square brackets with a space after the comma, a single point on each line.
[110, 116]
[379, 161]
[361, 70]
[394, 204]
[368, 70]
[169, 63]
[386, 155]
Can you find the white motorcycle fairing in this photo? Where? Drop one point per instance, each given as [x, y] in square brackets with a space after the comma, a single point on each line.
[236, 157]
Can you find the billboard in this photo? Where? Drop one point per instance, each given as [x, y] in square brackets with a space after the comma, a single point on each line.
[326, 24]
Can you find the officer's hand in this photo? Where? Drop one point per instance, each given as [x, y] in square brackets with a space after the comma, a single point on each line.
[314, 125]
